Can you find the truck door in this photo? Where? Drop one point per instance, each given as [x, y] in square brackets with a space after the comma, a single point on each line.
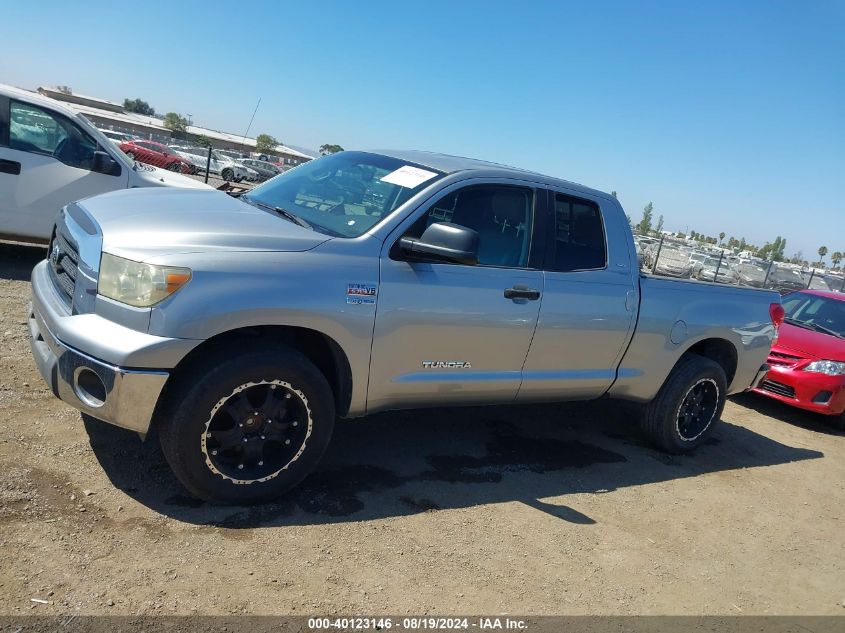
[589, 302]
[451, 333]
[46, 162]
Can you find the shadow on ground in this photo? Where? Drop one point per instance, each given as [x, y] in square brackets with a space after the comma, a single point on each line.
[401, 463]
[18, 260]
[782, 412]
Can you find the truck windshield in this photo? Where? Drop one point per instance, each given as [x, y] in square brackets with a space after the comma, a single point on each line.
[344, 194]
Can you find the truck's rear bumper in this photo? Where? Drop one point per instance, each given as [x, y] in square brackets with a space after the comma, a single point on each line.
[758, 378]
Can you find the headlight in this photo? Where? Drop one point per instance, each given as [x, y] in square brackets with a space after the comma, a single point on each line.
[137, 284]
[828, 367]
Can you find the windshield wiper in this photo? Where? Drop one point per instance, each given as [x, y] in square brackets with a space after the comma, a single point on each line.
[824, 330]
[287, 215]
[812, 326]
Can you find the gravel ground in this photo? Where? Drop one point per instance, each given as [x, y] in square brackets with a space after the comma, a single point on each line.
[531, 510]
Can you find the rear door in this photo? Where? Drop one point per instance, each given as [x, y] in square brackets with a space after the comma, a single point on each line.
[447, 333]
[589, 302]
[46, 162]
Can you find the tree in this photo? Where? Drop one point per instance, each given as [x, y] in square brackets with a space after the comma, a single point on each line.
[139, 106]
[265, 143]
[325, 150]
[644, 227]
[822, 253]
[773, 251]
[721, 237]
[175, 122]
[660, 223]
[203, 141]
[836, 258]
[613, 193]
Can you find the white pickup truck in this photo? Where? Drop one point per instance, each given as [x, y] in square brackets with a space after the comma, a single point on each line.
[51, 156]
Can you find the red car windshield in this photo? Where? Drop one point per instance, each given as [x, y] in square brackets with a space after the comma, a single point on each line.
[815, 312]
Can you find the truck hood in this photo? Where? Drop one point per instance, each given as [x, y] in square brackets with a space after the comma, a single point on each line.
[148, 222]
[807, 343]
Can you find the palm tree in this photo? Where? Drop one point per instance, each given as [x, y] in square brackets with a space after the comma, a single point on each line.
[822, 253]
[836, 258]
[721, 237]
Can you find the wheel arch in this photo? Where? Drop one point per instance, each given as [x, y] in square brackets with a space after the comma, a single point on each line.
[326, 354]
[719, 350]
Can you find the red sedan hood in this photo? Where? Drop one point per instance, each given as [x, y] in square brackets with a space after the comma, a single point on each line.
[808, 343]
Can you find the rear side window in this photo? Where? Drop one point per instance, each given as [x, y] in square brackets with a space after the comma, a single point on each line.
[579, 242]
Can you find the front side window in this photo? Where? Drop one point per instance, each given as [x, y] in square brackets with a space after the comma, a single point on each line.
[38, 131]
[579, 242]
[501, 215]
[344, 194]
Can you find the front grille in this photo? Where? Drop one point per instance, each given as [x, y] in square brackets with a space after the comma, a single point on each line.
[779, 358]
[777, 387]
[64, 263]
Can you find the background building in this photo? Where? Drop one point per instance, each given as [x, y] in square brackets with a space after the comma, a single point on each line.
[112, 116]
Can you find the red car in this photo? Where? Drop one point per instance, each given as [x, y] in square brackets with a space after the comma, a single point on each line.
[156, 154]
[808, 359]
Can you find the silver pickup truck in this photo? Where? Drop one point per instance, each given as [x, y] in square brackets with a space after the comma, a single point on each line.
[240, 327]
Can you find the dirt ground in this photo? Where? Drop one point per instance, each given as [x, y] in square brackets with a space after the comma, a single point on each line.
[519, 510]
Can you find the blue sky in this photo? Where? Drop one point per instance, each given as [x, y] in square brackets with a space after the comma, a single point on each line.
[729, 116]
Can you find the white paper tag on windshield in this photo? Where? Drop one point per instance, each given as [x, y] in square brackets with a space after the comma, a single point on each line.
[408, 177]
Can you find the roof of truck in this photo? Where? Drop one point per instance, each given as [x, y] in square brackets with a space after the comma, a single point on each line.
[449, 164]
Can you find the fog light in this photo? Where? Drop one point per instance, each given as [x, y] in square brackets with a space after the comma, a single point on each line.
[822, 397]
[89, 387]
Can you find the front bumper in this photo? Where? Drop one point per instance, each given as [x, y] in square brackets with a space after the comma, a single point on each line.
[122, 397]
[805, 390]
[95, 365]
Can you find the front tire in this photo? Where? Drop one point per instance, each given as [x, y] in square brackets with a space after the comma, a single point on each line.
[688, 406]
[228, 174]
[251, 428]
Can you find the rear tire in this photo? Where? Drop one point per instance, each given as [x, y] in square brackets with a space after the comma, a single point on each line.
[251, 427]
[687, 407]
[174, 167]
[227, 174]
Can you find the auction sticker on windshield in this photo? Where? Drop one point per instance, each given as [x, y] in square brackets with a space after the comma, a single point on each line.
[408, 177]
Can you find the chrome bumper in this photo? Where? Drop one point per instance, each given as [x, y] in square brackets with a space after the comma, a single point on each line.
[123, 397]
[758, 377]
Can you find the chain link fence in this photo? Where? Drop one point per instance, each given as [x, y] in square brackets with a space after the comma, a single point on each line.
[219, 167]
[672, 258]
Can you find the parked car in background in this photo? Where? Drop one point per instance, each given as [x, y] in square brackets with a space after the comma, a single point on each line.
[157, 154]
[751, 274]
[117, 137]
[264, 169]
[51, 156]
[242, 326]
[711, 269]
[808, 359]
[670, 263]
[785, 279]
[223, 166]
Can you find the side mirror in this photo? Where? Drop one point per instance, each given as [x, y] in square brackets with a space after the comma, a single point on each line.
[443, 242]
[105, 164]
